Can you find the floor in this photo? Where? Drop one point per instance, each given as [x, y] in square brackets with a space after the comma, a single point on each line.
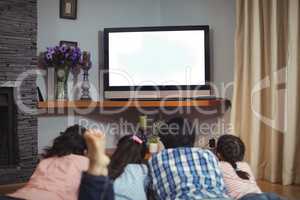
[291, 192]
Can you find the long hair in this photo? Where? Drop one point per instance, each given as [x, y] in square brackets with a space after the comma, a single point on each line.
[70, 141]
[128, 152]
[232, 150]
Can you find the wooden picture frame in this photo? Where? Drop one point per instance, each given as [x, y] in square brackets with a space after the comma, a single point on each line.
[68, 9]
[68, 43]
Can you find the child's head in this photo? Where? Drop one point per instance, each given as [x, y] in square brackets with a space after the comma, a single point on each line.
[178, 133]
[131, 149]
[232, 149]
[70, 141]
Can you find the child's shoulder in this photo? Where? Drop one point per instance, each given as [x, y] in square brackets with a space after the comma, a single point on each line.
[239, 164]
[243, 166]
[179, 152]
[80, 162]
[136, 168]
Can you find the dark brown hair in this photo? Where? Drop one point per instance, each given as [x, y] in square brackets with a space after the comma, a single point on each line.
[128, 152]
[179, 133]
[70, 141]
[232, 150]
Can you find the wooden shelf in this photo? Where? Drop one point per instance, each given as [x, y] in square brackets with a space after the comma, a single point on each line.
[130, 104]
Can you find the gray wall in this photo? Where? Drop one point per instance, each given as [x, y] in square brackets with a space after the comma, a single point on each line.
[94, 15]
[220, 16]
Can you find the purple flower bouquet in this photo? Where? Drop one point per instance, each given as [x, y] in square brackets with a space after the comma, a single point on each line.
[62, 56]
[64, 59]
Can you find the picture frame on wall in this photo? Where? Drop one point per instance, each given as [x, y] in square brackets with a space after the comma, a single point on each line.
[68, 43]
[68, 9]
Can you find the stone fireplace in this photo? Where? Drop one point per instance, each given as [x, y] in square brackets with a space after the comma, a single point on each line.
[18, 129]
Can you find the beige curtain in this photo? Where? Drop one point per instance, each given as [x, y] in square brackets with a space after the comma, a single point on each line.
[266, 101]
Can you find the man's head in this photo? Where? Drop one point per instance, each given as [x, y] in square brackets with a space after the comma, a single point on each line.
[178, 132]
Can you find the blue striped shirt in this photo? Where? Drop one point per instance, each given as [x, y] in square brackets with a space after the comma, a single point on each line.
[186, 173]
[132, 183]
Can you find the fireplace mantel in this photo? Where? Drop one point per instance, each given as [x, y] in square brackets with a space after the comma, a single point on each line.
[132, 104]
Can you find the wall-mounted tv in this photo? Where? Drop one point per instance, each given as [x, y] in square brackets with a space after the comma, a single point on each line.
[156, 62]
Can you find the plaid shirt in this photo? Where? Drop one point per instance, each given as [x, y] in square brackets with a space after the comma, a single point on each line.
[186, 173]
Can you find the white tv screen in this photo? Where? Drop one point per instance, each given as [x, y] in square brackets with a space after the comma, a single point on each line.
[156, 58]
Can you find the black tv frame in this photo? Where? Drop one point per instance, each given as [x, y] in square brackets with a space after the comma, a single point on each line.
[156, 28]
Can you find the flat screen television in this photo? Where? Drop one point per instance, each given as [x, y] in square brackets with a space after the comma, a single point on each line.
[156, 62]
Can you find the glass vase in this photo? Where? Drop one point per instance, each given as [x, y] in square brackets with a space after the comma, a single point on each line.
[61, 84]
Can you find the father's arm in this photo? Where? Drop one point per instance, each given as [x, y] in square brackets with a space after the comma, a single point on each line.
[95, 188]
